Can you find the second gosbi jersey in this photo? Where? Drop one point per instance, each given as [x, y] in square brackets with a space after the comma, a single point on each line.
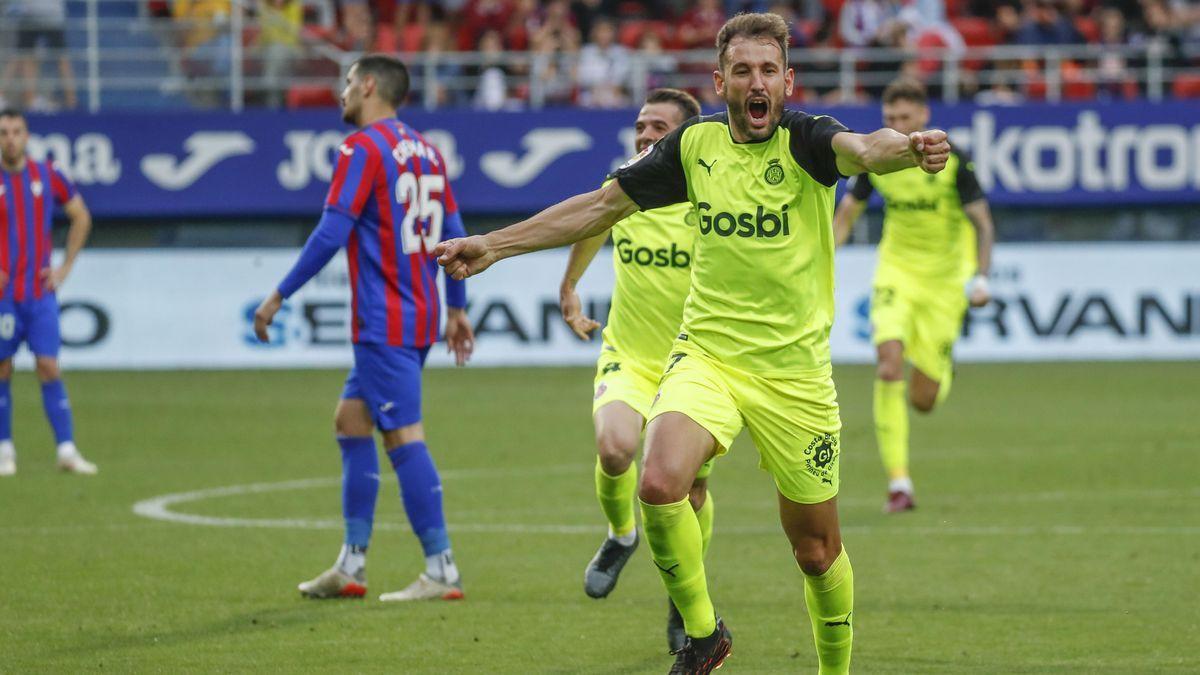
[393, 183]
[761, 295]
[652, 260]
[926, 235]
[27, 202]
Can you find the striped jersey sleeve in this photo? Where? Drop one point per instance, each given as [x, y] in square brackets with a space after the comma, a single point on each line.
[353, 177]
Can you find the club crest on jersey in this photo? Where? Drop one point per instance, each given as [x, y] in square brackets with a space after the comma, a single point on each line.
[2, 190]
[774, 173]
[636, 158]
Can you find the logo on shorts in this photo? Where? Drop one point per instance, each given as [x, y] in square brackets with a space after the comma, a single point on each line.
[820, 458]
[774, 173]
[611, 368]
[600, 391]
[384, 407]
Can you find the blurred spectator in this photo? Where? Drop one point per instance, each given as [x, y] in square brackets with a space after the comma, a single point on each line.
[358, 27]
[659, 64]
[861, 21]
[438, 42]
[1112, 72]
[1045, 24]
[278, 44]
[700, 25]
[556, 24]
[41, 24]
[603, 72]
[523, 22]
[587, 12]
[481, 16]
[491, 92]
[205, 44]
[552, 73]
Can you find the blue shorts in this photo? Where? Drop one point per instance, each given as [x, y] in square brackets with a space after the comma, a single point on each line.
[34, 322]
[388, 380]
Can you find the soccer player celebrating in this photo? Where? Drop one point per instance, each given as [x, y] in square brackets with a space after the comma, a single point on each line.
[652, 262]
[29, 192]
[388, 205]
[937, 235]
[754, 346]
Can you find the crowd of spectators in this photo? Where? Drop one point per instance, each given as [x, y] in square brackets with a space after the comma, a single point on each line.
[511, 53]
[587, 48]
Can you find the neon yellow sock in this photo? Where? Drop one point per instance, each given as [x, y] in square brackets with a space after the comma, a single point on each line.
[673, 532]
[705, 516]
[616, 498]
[891, 426]
[830, 600]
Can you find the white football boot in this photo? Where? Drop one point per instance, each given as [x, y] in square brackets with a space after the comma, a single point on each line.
[426, 588]
[334, 583]
[70, 461]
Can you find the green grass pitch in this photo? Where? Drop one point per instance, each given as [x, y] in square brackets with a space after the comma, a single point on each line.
[1057, 531]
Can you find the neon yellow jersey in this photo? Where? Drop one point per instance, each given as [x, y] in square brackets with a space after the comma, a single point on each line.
[761, 296]
[652, 261]
[926, 235]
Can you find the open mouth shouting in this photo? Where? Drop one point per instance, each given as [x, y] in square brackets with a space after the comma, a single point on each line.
[758, 108]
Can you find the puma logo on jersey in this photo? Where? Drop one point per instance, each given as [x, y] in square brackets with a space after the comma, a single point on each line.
[707, 167]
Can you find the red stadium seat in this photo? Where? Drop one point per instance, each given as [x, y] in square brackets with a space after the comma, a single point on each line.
[310, 96]
[1186, 86]
[976, 32]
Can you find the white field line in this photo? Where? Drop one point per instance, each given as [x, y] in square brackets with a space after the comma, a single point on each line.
[160, 508]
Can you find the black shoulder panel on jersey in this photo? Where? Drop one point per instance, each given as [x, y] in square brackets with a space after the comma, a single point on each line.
[812, 144]
[656, 178]
[965, 180]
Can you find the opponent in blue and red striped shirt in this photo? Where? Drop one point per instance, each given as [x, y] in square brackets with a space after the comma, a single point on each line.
[30, 192]
[389, 204]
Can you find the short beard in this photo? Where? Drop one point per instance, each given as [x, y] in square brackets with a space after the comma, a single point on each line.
[739, 119]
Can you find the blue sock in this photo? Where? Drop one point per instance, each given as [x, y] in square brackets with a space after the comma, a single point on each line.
[421, 492]
[360, 487]
[5, 410]
[58, 410]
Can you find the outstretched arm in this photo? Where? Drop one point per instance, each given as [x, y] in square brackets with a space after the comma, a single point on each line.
[886, 150]
[566, 222]
[582, 254]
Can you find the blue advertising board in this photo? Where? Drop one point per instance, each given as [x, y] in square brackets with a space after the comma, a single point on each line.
[279, 162]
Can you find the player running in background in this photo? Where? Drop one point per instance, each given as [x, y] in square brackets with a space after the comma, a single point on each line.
[652, 267]
[389, 205]
[937, 235]
[29, 193]
[754, 347]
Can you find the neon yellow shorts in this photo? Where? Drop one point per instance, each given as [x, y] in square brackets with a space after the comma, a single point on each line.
[630, 380]
[926, 318]
[792, 420]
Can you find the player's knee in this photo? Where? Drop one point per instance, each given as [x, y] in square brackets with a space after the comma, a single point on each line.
[923, 401]
[6, 370]
[815, 554]
[616, 450]
[348, 422]
[47, 369]
[658, 487]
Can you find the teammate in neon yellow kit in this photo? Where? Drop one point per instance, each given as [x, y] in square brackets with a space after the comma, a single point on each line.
[652, 265]
[754, 346]
[937, 235]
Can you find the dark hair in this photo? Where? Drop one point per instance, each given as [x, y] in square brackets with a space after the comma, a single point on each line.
[11, 112]
[905, 89]
[753, 25]
[688, 105]
[390, 73]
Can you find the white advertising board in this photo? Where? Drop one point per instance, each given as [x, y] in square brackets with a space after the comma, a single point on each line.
[192, 308]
